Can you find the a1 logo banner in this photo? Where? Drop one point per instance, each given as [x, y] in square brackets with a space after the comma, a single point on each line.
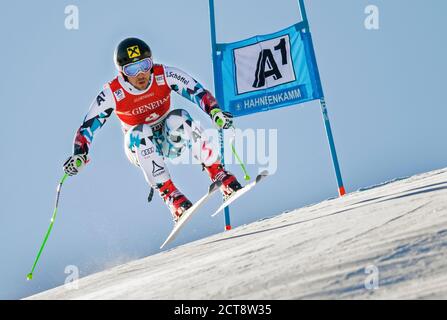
[268, 72]
[272, 67]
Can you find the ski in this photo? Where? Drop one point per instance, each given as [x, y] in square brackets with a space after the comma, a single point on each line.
[242, 191]
[186, 216]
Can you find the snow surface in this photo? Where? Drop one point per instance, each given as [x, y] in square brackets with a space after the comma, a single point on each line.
[318, 252]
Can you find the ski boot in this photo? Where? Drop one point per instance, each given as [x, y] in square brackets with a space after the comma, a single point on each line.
[174, 199]
[229, 182]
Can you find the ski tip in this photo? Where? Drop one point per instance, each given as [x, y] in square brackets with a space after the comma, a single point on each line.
[215, 213]
[219, 210]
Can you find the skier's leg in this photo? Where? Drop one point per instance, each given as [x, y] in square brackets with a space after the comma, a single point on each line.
[181, 131]
[142, 152]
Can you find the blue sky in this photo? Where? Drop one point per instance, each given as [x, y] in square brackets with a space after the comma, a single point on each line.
[383, 88]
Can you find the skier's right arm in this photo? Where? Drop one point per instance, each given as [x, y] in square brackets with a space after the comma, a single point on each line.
[100, 109]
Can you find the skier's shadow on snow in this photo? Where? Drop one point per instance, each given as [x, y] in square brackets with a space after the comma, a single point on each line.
[365, 203]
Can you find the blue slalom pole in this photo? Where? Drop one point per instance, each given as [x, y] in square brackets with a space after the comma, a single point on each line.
[327, 124]
[218, 95]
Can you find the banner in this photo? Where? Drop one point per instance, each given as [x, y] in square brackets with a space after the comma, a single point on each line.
[268, 72]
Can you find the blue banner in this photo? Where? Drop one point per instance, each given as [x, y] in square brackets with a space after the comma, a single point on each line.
[268, 72]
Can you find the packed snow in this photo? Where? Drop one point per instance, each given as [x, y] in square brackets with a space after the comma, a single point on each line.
[385, 242]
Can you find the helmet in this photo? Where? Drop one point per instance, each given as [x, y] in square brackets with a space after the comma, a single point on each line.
[131, 50]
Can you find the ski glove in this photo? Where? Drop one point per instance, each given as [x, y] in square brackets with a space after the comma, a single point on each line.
[75, 163]
[223, 119]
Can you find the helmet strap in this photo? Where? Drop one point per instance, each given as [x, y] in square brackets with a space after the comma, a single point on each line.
[124, 76]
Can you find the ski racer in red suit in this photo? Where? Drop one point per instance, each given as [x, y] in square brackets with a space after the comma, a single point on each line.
[141, 98]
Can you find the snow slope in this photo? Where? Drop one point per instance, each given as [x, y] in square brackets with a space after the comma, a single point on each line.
[319, 252]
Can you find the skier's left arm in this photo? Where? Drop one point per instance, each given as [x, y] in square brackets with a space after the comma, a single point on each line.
[189, 88]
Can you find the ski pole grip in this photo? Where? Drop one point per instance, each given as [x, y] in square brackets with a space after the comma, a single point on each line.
[220, 123]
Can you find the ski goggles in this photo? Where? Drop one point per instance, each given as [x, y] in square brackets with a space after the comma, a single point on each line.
[132, 69]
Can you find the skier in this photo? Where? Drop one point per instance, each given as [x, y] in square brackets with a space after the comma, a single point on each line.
[140, 97]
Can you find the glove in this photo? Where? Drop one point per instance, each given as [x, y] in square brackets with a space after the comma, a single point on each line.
[75, 163]
[223, 119]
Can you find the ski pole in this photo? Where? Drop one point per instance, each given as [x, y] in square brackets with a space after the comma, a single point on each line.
[233, 149]
[30, 275]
